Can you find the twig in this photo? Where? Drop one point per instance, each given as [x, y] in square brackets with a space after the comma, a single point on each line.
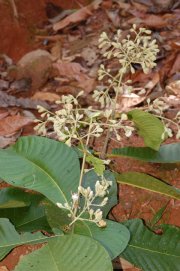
[14, 8]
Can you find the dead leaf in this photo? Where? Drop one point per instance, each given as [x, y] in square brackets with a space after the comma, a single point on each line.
[56, 51]
[6, 141]
[46, 96]
[77, 16]
[174, 87]
[89, 55]
[3, 268]
[3, 113]
[176, 65]
[74, 71]
[125, 265]
[11, 124]
[153, 81]
[113, 15]
[125, 102]
[9, 100]
[71, 70]
[156, 21]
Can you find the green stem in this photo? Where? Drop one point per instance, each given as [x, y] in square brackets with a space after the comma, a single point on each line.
[108, 135]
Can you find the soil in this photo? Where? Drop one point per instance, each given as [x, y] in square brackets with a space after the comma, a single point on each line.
[19, 37]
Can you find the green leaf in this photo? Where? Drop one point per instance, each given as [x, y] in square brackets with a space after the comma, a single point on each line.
[41, 164]
[97, 163]
[149, 127]
[90, 178]
[152, 252]
[158, 215]
[144, 181]
[13, 197]
[114, 237]
[57, 217]
[10, 238]
[168, 153]
[28, 219]
[68, 253]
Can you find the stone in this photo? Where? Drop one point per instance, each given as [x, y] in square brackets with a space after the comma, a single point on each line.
[35, 66]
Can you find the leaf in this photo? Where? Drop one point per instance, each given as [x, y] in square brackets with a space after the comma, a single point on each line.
[70, 252]
[74, 71]
[11, 124]
[90, 178]
[149, 127]
[158, 215]
[46, 96]
[168, 153]
[13, 197]
[152, 252]
[7, 100]
[9, 237]
[114, 237]
[77, 16]
[28, 219]
[41, 164]
[144, 181]
[97, 163]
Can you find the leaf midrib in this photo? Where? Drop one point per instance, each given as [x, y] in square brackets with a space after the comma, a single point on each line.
[153, 251]
[46, 173]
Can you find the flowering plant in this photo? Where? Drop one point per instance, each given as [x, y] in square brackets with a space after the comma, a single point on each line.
[74, 188]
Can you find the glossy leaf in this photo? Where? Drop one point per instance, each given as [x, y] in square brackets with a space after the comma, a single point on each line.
[168, 153]
[144, 181]
[28, 219]
[43, 165]
[114, 237]
[70, 252]
[149, 127]
[10, 238]
[150, 251]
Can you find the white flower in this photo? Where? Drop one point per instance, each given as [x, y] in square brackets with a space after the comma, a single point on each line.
[98, 215]
[59, 205]
[75, 196]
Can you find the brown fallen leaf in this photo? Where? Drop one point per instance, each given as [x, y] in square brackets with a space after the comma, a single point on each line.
[156, 21]
[125, 102]
[3, 268]
[11, 124]
[74, 71]
[9, 100]
[89, 55]
[174, 87]
[46, 96]
[176, 65]
[3, 113]
[6, 141]
[77, 16]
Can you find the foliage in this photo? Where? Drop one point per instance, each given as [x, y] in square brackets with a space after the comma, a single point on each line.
[145, 181]
[150, 251]
[72, 191]
[168, 153]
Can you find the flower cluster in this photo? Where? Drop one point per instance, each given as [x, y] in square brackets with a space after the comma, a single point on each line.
[136, 48]
[71, 121]
[159, 106]
[90, 206]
